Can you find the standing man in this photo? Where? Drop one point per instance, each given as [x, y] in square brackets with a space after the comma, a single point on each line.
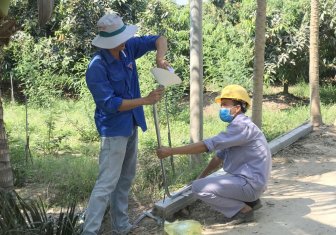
[113, 81]
[242, 151]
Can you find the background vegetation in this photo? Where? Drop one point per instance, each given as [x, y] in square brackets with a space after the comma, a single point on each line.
[48, 67]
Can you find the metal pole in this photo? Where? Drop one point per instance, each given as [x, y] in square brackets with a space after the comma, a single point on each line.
[158, 136]
[169, 136]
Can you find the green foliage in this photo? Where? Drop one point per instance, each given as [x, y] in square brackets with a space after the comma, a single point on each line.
[327, 92]
[287, 40]
[36, 68]
[69, 177]
[163, 17]
[51, 62]
[227, 47]
[54, 130]
[327, 39]
[227, 50]
[19, 216]
[286, 120]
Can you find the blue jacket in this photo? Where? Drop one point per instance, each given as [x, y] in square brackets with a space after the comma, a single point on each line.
[110, 81]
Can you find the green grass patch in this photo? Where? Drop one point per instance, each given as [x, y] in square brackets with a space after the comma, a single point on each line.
[71, 176]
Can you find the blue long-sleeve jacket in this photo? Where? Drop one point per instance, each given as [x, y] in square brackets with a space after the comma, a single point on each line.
[110, 81]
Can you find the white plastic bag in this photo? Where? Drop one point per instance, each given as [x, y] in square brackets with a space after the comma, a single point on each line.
[184, 227]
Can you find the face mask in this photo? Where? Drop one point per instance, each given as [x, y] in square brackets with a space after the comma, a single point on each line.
[225, 116]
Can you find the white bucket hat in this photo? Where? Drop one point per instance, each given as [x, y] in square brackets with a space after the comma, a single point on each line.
[113, 31]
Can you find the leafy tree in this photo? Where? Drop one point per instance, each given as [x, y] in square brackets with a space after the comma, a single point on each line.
[287, 42]
[166, 18]
[327, 38]
[59, 52]
[227, 47]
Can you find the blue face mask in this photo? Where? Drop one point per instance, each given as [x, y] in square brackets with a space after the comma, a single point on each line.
[225, 116]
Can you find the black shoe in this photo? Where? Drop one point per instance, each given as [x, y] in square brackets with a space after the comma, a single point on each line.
[240, 218]
[255, 205]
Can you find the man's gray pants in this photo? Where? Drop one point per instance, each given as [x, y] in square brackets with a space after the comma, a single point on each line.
[117, 164]
[225, 193]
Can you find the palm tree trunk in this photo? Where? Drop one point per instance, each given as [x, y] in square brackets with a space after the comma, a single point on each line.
[7, 27]
[258, 71]
[6, 174]
[315, 109]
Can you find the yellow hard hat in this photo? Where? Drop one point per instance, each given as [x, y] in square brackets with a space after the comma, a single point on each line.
[234, 92]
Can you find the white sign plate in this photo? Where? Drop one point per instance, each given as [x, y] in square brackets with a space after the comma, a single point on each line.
[165, 77]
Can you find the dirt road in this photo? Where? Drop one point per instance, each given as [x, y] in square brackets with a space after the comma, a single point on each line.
[300, 200]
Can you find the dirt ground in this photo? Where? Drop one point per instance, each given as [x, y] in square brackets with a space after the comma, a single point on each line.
[300, 200]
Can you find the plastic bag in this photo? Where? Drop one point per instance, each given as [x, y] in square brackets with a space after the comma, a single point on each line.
[184, 227]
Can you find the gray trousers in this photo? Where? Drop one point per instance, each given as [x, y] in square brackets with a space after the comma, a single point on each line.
[225, 193]
[117, 164]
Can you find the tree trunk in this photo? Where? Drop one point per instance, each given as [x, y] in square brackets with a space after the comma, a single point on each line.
[258, 70]
[4, 6]
[196, 76]
[315, 109]
[7, 27]
[6, 174]
[45, 9]
[285, 88]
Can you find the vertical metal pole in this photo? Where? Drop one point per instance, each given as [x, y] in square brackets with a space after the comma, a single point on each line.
[196, 75]
[158, 136]
[169, 135]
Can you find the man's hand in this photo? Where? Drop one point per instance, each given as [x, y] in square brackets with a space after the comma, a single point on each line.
[161, 50]
[164, 152]
[154, 96]
[162, 63]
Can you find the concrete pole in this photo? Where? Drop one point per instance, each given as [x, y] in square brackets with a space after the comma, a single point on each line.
[196, 75]
[259, 59]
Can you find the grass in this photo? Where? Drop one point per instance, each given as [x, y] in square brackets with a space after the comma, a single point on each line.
[64, 143]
